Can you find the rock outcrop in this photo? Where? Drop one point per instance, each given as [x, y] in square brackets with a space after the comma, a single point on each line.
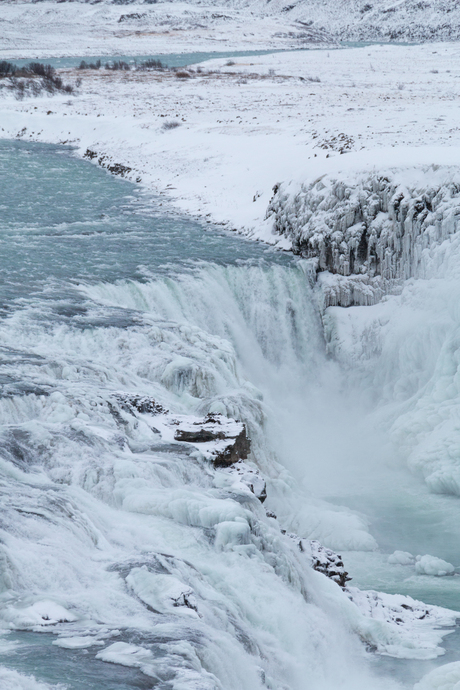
[222, 440]
[377, 227]
[229, 439]
[326, 561]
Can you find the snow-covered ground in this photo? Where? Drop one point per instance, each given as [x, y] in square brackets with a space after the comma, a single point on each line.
[245, 127]
[401, 20]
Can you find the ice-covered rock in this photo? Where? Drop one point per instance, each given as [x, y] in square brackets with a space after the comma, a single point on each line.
[241, 475]
[409, 619]
[401, 558]
[326, 561]
[377, 226]
[445, 677]
[232, 442]
[430, 565]
[40, 613]
[163, 593]
[218, 438]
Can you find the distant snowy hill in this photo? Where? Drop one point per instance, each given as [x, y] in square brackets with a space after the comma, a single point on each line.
[403, 20]
[349, 20]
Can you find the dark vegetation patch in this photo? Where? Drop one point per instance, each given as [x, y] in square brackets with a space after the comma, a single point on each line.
[171, 124]
[118, 65]
[31, 80]
[121, 65]
[151, 64]
[90, 65]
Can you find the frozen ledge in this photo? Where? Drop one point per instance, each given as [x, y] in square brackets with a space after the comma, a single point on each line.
[370, 228]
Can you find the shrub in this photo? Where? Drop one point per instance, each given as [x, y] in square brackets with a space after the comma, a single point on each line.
[151, 64]
[32, 79]
[171, 124]
[90, 65]
[7, 69]
[118, 65]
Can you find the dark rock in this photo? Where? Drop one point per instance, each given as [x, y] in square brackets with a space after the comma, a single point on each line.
[200, 436]
[141, 403]
[327, 562]
[216, 427]
[238, 450]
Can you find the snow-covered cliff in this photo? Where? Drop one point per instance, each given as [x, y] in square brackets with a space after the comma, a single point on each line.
[379, 226]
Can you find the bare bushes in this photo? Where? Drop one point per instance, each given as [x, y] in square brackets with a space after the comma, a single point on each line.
[118, 65]
[171, 124]
[151, 64]
[90, 65]
[7, 69]
[31, 80]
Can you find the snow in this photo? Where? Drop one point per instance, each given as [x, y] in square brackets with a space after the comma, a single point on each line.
[140, 25]
[244, 129]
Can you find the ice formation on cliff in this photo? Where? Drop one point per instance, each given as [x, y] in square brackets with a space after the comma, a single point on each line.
[377, 226]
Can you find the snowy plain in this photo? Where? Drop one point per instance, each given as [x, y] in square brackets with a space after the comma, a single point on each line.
[242, 129]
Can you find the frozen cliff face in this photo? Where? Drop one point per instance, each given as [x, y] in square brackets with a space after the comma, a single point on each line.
[377, 227]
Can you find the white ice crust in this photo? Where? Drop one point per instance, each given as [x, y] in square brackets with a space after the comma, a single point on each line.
[401, 558]
[430, 565]
[445, 677]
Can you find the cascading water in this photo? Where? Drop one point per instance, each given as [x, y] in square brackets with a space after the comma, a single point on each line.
[127, 561]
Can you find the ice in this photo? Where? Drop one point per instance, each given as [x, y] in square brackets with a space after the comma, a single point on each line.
[12, 680]
[445, 677]
[373, 225]
[401, 558]
[40, 613]
[164, 593]
[232, 534]
[127, 655]
[119, 521]
[430, 565]
[189, 671]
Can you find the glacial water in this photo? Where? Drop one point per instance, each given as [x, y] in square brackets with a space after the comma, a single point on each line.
[106, 292]
[185, 59]
[169, 59]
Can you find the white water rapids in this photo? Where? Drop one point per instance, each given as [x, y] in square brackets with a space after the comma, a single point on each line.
[100, 520]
